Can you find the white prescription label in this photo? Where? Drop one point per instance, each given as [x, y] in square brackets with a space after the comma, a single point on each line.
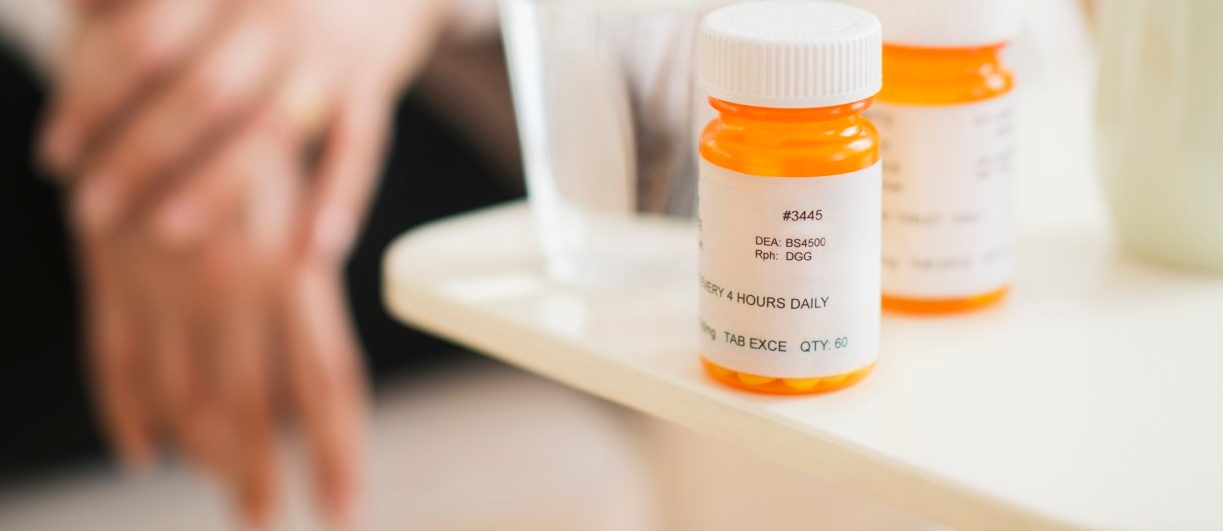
[946, 197]
[790, 272]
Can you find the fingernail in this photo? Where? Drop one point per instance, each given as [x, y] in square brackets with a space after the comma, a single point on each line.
[96, 205]
[339, 505]
[257, 513]
[59, 148]
[137, 461]
[334, 233]
[178, 224]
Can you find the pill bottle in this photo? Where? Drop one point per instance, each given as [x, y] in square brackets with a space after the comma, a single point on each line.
[789, 196]
[946, 120]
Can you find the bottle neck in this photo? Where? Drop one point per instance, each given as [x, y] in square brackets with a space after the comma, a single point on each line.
[747, 115]
[915, 74]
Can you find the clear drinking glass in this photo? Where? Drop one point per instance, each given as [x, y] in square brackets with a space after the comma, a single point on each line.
[604, 94]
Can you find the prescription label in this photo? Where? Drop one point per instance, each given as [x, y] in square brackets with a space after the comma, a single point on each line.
[947, 229]
[789, 272]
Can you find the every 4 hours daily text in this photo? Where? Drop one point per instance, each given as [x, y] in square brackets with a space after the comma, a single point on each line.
[764, 301]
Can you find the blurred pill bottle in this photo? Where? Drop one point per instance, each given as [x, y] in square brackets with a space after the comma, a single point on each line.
[789, 196]
[946, 119]
[1159, 120]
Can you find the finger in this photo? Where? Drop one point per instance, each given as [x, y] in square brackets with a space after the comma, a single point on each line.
[327, 385]
[215, 193]
[208, 430]
[196, 109]
[347, 174]
[113, 61]
[240, 341]
[113, 336]
[175, 386]
[252, 247]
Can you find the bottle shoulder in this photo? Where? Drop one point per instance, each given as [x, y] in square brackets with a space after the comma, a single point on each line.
[948, 93]
[792, 150]
[944, 76]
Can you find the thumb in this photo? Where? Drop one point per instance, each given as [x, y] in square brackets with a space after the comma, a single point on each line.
[346, 174]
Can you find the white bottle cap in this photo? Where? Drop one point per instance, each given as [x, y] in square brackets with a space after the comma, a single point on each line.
[945, 23]
[790, 54]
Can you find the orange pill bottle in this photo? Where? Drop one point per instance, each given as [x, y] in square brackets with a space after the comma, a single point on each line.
[790, 191]
[945, 115]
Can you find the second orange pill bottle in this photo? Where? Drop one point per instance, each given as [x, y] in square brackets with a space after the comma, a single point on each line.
[945, 115]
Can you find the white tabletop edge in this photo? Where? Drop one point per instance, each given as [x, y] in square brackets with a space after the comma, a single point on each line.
[825, 456]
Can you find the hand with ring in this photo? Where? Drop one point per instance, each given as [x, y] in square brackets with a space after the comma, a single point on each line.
[218, 157]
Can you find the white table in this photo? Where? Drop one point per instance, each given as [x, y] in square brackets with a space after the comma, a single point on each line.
[1091, 399]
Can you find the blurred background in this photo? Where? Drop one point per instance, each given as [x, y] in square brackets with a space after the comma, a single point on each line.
[457, 441]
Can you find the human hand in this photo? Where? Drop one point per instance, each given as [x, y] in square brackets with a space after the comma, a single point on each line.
[152, 87]
[152, 110]
[205, 348]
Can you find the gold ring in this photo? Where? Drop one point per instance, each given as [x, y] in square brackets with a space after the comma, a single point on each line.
[303, 104]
